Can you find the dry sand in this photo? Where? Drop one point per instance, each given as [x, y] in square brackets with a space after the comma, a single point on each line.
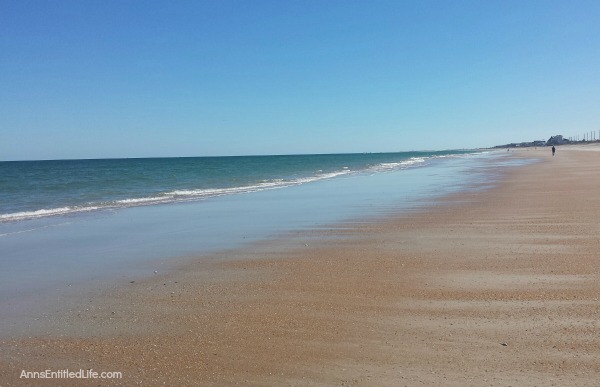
[495, 287]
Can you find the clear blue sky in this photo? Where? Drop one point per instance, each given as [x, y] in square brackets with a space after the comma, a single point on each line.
[94, 79]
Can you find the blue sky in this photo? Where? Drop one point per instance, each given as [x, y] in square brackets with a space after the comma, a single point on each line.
[94, 79]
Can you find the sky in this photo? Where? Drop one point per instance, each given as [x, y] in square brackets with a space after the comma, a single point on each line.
[123, 78]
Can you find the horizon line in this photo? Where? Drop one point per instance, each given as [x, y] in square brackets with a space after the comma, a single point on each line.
[245, 155]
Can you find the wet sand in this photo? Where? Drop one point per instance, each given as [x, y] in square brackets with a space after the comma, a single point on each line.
[492, 287]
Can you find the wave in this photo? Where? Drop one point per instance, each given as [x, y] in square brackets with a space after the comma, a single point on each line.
[413, 161]
[46, 212]
[184, 195]
[168, 197]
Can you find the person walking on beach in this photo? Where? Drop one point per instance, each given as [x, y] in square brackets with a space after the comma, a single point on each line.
[553, 150]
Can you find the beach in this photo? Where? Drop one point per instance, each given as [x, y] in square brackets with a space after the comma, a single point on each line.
[493, 286]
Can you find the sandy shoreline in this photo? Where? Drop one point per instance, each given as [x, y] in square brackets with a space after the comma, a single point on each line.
[496, 287]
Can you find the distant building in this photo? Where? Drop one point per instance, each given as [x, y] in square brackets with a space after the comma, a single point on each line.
[557, 140]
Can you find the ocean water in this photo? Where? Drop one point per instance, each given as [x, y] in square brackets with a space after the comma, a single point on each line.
[69, 229]
[34, 189]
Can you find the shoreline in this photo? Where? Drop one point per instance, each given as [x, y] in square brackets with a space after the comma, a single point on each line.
[498, 286]
[52, 262]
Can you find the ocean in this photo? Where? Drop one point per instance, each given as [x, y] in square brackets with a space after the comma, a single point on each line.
[34, 189]
[69, 229]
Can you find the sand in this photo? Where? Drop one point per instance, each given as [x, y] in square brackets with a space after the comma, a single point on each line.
[494, 287]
